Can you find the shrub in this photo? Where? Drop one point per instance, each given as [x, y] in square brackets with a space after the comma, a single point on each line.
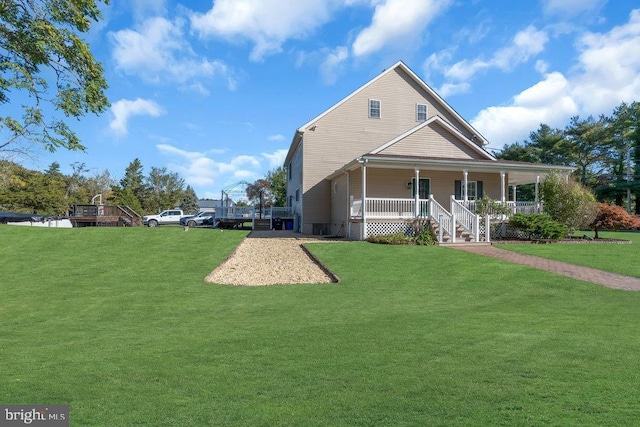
[568, 202]
[421, 230]
[398, 238]
[612, 217]
[539, 226]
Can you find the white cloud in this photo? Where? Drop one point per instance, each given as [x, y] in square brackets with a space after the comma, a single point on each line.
[276, 159]
[158, 51]
[525, 44]
[449, 89]
[609, 66]
[395, 21]
[333, 61]
[571, 7]
[265, 23]
[200, 169]
[607, 73]
[549, 101]
[277, 137]
[125, 108]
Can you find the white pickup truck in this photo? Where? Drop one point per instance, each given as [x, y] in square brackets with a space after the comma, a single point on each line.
[171, 216]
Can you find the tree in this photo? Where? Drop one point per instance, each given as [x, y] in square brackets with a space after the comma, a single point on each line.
[611, 217]
[278, 182]
[131, 191]
[31, 191]
[624, 130]
[590, 145]
[165, 190]
[43, 56]
[189, 201]
[568, 202]
[260, 193]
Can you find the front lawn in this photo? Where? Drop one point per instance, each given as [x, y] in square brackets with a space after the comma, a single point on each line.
[119, 324]
[615, 258]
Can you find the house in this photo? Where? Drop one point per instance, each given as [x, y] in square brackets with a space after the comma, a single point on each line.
[391, 152]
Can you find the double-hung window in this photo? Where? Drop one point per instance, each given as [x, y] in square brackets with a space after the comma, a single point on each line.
[421, 112]
[472, 190]
[374, 108]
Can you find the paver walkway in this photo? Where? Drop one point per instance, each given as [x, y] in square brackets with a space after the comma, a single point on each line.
[588, 274]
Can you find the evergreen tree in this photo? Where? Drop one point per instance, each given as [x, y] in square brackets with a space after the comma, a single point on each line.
[189, 201]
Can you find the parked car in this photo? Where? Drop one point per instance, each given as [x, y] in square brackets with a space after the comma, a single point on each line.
[171, 216]
[203, 218]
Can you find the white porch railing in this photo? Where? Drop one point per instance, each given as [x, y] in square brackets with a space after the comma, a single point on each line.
[516, 207]
[469, 220]
[446, 220]
[390, 208]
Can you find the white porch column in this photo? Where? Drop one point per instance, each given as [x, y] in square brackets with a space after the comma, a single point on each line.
[364, 202]
[349, 205]
[503, 196]
[465, 196]
[537, 207]
[416, 196]
[515, 191]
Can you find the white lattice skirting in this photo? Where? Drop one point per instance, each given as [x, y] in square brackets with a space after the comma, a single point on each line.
[377, 228]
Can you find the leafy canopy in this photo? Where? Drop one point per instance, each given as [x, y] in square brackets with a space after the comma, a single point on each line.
[46, 65]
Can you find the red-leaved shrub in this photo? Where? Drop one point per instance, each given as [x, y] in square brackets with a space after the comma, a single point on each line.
[612, 217]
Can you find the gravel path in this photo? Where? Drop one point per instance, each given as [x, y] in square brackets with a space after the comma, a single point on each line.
[271, 258]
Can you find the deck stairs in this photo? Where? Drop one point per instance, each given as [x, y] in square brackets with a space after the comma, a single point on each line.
[262, 224]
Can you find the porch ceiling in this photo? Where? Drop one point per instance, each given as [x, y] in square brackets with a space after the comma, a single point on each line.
[518, 172]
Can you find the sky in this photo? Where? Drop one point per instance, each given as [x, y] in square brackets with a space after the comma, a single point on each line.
[214, 90]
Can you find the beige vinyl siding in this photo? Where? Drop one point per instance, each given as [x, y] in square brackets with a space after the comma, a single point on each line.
[339, 205]
[347, 132]
[432, 141]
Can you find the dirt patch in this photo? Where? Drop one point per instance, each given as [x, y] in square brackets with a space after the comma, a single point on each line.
[272, 258]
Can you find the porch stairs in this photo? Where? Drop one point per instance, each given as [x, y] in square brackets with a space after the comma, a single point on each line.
[463, 237]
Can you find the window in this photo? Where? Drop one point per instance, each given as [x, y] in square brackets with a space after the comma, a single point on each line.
[374, 109]
[472, 190]
[289, 171]
[421, 112]
[297, 194]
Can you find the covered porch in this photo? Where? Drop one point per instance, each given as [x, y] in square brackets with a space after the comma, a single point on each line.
[386, 193]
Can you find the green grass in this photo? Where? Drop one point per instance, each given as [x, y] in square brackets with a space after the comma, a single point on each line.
[119, 324]
[615, 258]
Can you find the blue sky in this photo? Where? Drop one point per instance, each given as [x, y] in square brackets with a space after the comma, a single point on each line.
[214, 90]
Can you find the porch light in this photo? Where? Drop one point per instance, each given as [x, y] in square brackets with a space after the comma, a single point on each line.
[409, 185]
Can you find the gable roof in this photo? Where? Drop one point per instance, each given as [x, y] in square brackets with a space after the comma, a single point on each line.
[398, 65]
[445, 124]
